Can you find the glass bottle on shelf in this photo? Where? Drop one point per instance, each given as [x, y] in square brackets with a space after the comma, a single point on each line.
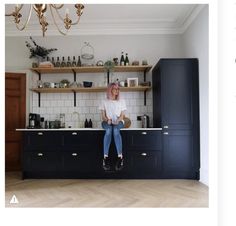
[90, 124]
[53, 62]
[74, 62]
[68, 64]
[86, 124]
[63, 63]
[126, 59]
[79, 62]
[122, 59]
[39, 84]
[58, 64]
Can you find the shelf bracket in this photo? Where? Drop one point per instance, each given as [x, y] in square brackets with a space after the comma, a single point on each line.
[39, 94]
[39, 99]
[145, 92]
[74, 99]
[74, 72]
[108, 77]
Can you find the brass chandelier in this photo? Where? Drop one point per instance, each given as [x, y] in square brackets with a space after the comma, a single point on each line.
[41, 10]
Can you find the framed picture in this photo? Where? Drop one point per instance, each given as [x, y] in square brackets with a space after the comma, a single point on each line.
[132, 82]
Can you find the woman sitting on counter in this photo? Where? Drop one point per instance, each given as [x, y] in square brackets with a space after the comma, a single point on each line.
[112, 121]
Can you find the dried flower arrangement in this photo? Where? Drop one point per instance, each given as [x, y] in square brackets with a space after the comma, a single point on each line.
[38, 51]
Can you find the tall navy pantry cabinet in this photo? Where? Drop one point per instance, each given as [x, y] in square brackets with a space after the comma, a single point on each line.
[176, 111]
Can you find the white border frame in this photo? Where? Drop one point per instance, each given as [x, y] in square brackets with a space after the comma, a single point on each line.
[129, 82]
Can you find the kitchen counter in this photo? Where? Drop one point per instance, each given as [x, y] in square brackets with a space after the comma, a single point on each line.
[85, 129]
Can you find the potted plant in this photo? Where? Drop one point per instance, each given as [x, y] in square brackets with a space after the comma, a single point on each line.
[37, 51]
[109, 65]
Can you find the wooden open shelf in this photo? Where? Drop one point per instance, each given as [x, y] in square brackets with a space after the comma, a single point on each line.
[91, 69]
[92, 89]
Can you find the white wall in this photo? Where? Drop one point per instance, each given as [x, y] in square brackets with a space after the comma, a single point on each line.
[195, 43]
[139, 47]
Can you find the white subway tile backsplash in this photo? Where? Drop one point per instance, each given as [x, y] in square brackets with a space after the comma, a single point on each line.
[64, 110]
[81, 102]
[42, 110]
[87, 105]
[49, 110]
[60, 103]
[35, 103]
[97, 117]
[92, 96]
[56, 110]
[68, 103]
[149, 102]
[132, 102]
[92, 110]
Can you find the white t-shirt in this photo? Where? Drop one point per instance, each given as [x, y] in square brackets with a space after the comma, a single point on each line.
[113, 108]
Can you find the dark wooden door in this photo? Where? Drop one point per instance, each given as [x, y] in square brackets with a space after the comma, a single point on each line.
[15, 111]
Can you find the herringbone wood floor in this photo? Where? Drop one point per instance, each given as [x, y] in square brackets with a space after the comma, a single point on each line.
[104, 193]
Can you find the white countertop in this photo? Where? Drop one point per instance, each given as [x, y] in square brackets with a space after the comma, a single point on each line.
[84, 129]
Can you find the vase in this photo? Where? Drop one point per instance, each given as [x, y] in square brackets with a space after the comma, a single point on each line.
[40, 60]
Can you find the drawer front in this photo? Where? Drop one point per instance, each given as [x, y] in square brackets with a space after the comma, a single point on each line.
[142, 162]
[80, 161]
[46, 141]
[80, 140]
[42, 161]
[144, 140]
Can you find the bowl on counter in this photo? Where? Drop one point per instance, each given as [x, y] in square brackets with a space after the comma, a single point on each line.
[87, 84]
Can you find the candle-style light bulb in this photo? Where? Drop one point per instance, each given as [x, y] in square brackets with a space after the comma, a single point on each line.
[67, 12]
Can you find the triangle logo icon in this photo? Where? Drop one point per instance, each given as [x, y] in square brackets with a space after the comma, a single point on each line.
[14, 200]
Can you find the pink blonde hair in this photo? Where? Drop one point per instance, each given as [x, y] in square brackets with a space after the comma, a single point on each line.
[109, 93]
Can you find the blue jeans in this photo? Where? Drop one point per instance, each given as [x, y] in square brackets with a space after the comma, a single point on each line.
[115, 129]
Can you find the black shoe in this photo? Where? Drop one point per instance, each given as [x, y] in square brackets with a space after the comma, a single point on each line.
[119, 164]
[106, 164]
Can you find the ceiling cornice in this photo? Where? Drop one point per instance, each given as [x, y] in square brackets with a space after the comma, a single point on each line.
[114, 27]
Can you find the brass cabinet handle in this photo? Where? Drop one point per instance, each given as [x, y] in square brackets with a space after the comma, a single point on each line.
[74, 154]
[144, 154]
[40, 154]
[74, 133]
[144, 133]
[165, 133]
[40, 133]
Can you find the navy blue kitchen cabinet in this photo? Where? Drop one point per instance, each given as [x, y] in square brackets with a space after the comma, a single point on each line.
[176, 111]
[42, 141]
[79, 154]
[42, 154]
[143, 153]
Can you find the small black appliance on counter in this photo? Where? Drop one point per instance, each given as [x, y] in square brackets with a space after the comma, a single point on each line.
[34, 121]
[145, 120]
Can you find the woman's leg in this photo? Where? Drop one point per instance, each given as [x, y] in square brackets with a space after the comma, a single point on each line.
[117, 137]
[107, 138]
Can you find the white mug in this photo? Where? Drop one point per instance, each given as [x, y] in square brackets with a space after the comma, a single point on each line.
[122, 83]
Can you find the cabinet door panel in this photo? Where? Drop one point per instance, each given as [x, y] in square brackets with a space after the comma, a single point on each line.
[43, 140]
[144, 161]
[80, 161]
[177, 80]
[82, 140]
[178, 151]
[143, 140]
[42, 161]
